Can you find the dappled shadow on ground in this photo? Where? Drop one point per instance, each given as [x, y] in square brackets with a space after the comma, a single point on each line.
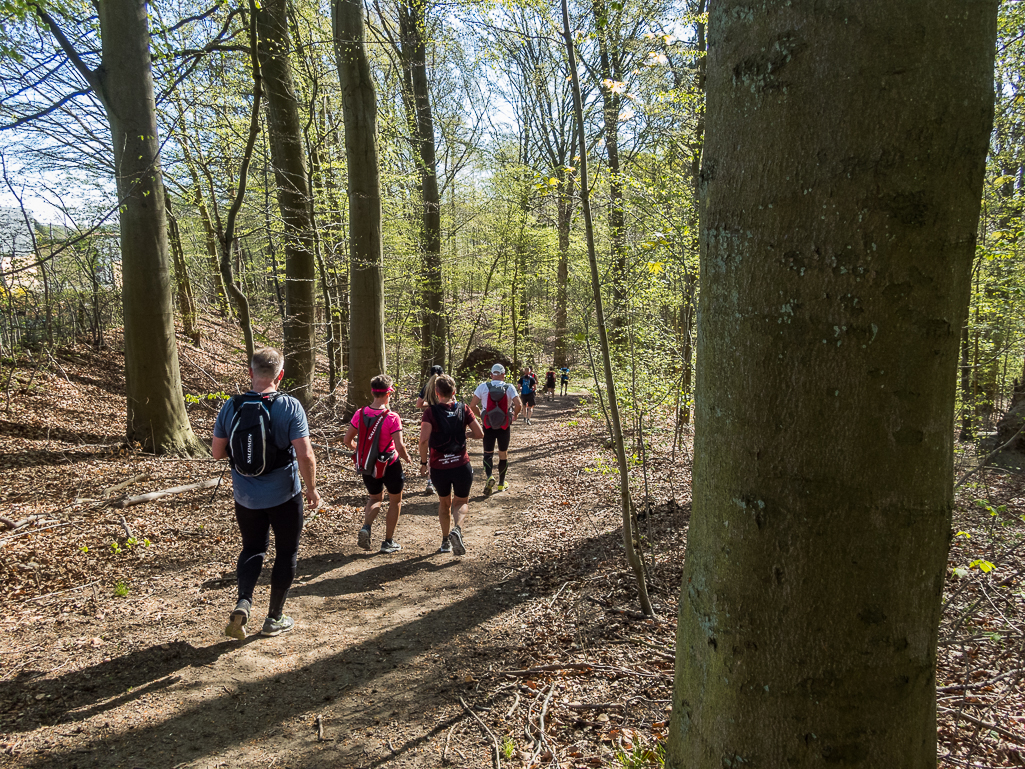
[264, 703]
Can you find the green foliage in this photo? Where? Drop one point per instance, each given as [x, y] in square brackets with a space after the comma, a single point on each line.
[639, 756]
[508, 747]
[121, 590]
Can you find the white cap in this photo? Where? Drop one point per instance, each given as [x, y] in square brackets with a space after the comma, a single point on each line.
[498, 368]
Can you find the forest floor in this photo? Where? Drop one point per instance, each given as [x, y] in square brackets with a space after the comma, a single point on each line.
[527, 651]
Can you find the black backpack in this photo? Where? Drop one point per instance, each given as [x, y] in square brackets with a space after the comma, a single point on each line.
[251, 448]
[448, 435]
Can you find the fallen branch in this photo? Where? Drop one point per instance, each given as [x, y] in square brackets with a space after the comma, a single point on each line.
[985, 725]
[14, 525]
[979, 684]
[988, 457]
[154, 495]
[128, 531]
[35, 531]
[594, 706]
[320, 729]
[59, 592]
[495, 756]
[123, 484]
[584, 668]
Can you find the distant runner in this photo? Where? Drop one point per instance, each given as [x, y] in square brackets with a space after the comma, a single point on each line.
[528, 387]
[564, 380]
[443, 455]
[549, 384]
[386, 449]
[492, 402]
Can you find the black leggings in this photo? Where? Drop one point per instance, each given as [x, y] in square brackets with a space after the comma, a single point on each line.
[287, 521]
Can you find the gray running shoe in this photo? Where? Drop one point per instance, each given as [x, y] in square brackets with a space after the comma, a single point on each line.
[489, 486]
[236, 627]
[390, 546]
[364, 538]
[446, 546]
[430, 487]
[273, 627]
[456, 540]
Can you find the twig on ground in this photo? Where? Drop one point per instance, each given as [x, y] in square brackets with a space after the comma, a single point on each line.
[552, 602]
[320, 729]
[448, 738]
[134, 479]
[496, 756]
[154, 495]
[35, 531]
[124, 525]
[59, 592]
[986, 725]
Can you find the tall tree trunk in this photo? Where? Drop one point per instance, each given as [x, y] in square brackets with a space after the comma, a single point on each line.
[286, 147]
[838, 228]
[366, 259]
[565, 219]
[210, 240]
[616, 425]
[123, 83]
[417, 100]
[186, 301]
[611, 104]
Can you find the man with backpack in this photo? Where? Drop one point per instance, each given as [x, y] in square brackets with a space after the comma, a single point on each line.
[497, 405]
[265, 436]
[375, 437]
[444, 457]
[564, 380]
[528, 389]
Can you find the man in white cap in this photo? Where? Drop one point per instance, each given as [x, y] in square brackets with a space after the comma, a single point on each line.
[497, 404]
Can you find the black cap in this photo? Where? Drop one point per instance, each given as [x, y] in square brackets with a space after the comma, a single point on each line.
[437, 370]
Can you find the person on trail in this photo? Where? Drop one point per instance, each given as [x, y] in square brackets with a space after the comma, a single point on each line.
[424, 399]
[427, 398]
[497, 405]
[443, 456]
[549, 383]
[564, 380]
[265, 436]
[528, 388]
[380, 419]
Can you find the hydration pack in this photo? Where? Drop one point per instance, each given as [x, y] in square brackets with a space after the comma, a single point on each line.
[251, 448]
[497, 414]
[369, 458]
[448, 435]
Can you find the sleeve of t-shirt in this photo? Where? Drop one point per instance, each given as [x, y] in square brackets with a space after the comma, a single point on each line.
[511, 391]
[482, 391]
[392, 423]
[221, 425]
[355, 418]
[298, 426]
[468, 417]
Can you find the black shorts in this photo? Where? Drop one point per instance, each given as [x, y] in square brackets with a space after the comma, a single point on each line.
[453, 480]
[493, 434]
[394, 479]
[528, 399]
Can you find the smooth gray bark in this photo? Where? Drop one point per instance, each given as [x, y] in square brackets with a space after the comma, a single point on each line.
[290, 175]
[156, 417]
[841, 181]
[366, 258]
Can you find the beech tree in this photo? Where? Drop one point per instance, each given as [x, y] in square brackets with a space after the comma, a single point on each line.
[841, 182]
[123, 84]
[366, 259]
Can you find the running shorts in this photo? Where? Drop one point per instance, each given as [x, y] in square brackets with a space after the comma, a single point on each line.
[394, 479]
[528, 399]
[493, 434]
[453, 480]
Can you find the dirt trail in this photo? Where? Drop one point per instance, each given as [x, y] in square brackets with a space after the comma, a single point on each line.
[383, 647]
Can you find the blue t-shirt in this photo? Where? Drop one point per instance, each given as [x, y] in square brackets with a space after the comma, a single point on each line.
[527, 384]
[288, 423]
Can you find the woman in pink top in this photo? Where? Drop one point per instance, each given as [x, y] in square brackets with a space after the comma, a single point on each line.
[393, 480]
